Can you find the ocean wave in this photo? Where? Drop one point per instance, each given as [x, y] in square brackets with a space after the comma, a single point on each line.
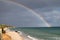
[32, 37]
[28, 37]
[56, 38]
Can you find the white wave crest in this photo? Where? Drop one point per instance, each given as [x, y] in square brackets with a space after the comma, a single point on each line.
[32, 37]
[18, 34]
[28, 37]
[56, 38]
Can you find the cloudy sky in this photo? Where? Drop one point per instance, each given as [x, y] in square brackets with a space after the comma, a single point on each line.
[34, 4]
[49, 10]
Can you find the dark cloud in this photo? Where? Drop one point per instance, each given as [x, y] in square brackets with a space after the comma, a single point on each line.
[18, 16]
[39, 3]
[51, 15]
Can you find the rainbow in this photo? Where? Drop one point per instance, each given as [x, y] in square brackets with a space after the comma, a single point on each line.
[29, 9]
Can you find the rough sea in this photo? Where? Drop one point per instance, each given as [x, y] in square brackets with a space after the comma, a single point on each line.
[40, 33]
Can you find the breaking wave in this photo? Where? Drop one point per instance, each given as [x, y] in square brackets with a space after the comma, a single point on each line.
[25, 36]
[28, 37]
[40, 36]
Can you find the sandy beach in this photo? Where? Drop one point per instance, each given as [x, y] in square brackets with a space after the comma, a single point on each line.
[11, 35]
[14, 35]
[6, 37]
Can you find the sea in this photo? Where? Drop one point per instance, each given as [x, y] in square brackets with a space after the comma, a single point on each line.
[40, 33]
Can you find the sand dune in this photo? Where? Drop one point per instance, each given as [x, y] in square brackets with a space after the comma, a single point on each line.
[17, 35]
[11, 35]
[14, 35]
[6, 37]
